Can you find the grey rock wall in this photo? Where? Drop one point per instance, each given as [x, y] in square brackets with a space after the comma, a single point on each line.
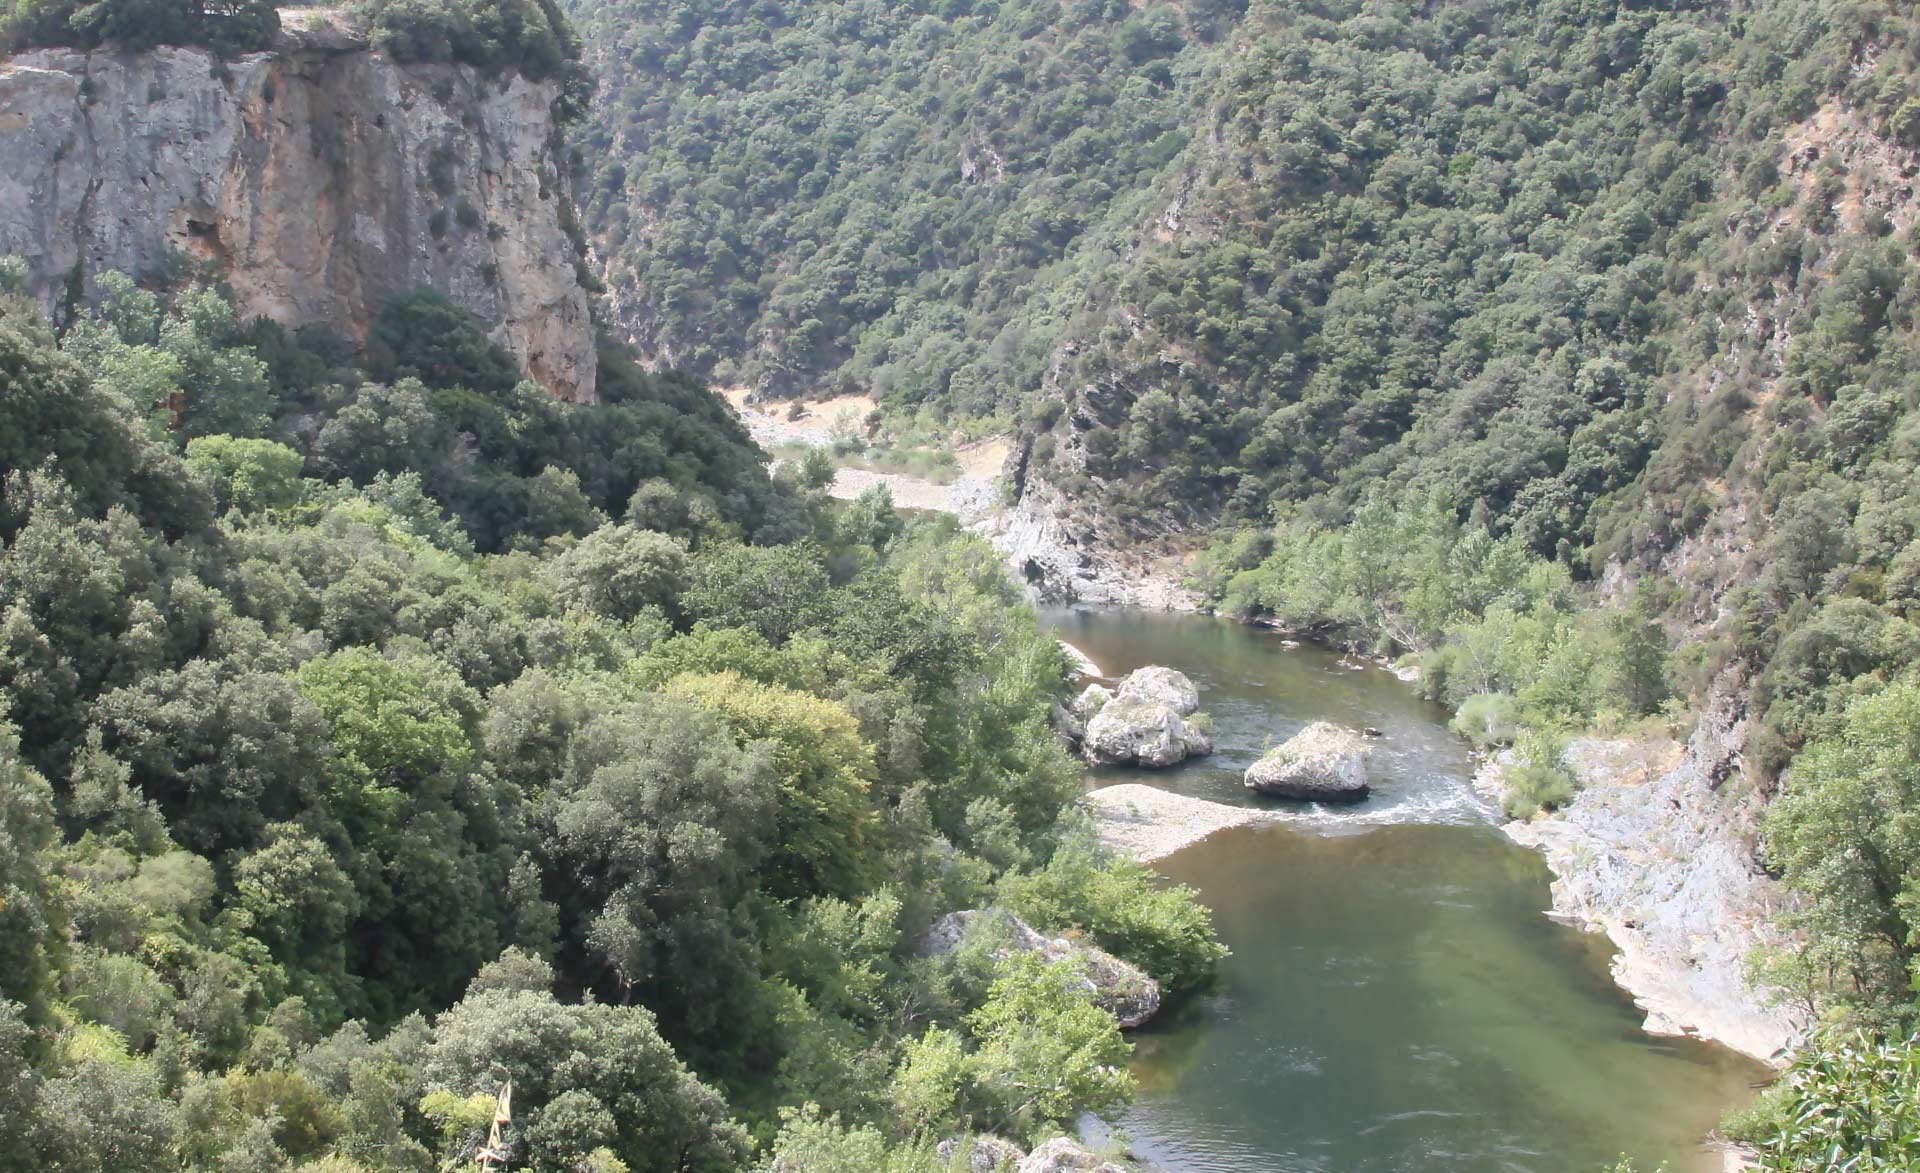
[319, 178]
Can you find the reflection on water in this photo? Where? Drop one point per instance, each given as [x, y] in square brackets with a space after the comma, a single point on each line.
[1395, 999]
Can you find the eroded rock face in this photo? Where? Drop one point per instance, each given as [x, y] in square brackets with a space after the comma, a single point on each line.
[319, 179]
[1321, 763]
[1122, 989]
[985, 1154]
[1062, 1154]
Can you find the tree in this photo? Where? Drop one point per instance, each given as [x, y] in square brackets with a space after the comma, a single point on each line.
[583, 1077]
[619, 572]
[823, 827]
[32, 923]
[246, 475]
[1044, 1052]
[1845, 831]
[654, 835]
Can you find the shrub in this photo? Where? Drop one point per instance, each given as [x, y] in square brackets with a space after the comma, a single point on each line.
[1535, 779]
[1488, 719]
[1163, 929]
[1848, 1103]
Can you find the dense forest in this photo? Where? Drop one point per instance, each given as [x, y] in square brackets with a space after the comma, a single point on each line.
[1563, 347]
[375, 730]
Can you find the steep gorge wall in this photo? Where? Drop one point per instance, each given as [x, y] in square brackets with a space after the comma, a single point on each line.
[319, 179]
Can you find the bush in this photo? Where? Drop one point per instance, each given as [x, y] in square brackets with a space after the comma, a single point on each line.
[1163, 929]
[1848, 1103]
[528, 36]
[228, 28]
[1487, 719]
[1535, 779]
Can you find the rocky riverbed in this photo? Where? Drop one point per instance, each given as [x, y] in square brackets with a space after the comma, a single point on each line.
[1147, 823]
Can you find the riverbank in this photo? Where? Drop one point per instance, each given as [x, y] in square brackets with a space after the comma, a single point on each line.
[1655, 851]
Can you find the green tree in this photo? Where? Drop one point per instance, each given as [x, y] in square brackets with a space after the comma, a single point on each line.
[1845, 831]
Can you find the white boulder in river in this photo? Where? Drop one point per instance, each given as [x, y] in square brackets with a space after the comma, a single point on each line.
[1164, 685]
[1323, 763]
[1146, 722]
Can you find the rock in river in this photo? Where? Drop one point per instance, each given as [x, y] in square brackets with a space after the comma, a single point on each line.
[1164, 685]
[1063, 1155]
[1145, 723]
[1323, 763]
[1122, 989]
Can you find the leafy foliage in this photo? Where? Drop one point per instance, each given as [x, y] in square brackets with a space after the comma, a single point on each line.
[228, 27]
[1848, 1103]
[356, 761]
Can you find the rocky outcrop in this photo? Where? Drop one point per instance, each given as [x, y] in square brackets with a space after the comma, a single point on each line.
[1063, 557]
[1655, 850]
[1123, 990]
[1146, 723]
[1070, 721]
[1064, 1155]
[984, 1154]
[1321, 763]
[319, 179]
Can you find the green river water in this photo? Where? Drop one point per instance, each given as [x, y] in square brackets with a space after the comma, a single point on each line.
[1396, 999]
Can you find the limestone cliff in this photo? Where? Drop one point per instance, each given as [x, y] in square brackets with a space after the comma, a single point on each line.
[319, 178]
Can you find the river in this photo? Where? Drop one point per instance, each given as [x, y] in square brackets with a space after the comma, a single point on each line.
[1396, 999]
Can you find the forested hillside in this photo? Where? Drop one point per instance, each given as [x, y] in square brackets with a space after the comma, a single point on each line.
[907, 198]
[1530, 339]
[375, 729]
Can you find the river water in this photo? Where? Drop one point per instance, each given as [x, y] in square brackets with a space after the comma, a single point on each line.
[1395, 999]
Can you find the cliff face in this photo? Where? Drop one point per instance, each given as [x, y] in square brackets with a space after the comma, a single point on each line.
[319, 179]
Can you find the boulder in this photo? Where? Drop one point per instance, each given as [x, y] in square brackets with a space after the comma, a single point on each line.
[985, 1154]
[1062, 1154]
[1120, 988]
[1322, 763]
[1131, 731]
[1091, 700]
[1163, 685]
[1078, 661]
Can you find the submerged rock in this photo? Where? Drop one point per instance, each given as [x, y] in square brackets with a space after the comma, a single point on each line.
[1145, 823]
[1079, 661]
[985, 1154]
[1322, 763]
[1062, 1154]
[1118, 987]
